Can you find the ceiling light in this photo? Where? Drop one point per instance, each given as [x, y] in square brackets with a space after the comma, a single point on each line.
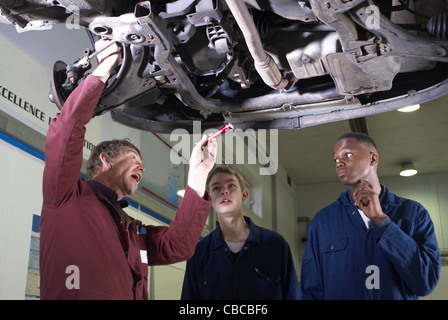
[410, 108]
[407, 169]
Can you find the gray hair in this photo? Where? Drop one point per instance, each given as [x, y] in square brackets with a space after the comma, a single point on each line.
[112, 148]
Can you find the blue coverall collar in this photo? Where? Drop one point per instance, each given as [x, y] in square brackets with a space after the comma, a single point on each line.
[254, 235]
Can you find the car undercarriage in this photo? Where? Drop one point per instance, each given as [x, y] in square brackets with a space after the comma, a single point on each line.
[272, 64]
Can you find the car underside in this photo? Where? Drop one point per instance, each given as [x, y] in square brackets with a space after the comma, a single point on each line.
[272, 64]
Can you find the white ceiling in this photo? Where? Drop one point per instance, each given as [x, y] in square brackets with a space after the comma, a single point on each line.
[420, 137]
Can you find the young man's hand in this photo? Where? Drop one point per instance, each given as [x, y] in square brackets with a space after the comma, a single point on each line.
[368, 201]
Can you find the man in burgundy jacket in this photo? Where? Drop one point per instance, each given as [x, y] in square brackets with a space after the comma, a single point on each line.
[90, 248]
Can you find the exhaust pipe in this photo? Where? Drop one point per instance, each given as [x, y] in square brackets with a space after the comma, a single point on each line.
[264, 64]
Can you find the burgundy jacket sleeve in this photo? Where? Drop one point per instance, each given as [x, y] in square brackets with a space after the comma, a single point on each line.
[65, 139]
[177, 242]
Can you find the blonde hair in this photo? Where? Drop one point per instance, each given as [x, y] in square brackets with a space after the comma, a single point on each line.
[228, 170]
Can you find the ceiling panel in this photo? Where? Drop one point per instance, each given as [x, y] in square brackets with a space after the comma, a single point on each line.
[420, 137]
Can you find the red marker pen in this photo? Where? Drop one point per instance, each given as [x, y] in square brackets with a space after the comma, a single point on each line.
[226, 127]
[217, 133]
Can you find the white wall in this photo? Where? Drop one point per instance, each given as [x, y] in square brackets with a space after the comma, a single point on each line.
[20, 196]
[285, 209]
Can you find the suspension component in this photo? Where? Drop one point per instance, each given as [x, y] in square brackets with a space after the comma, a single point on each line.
[437, 26]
